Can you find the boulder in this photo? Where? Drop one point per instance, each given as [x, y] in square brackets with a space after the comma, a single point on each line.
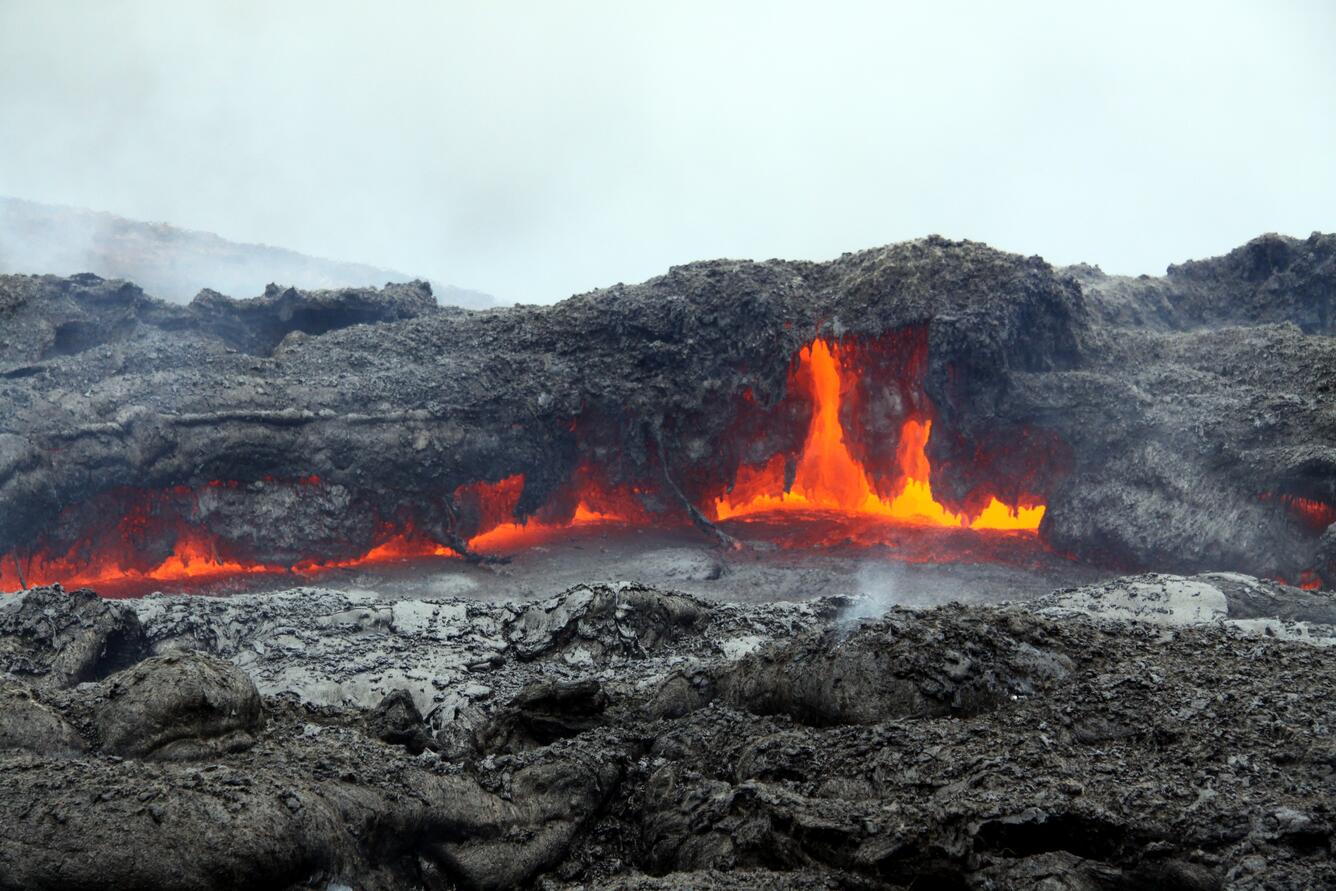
[28, 724]
[396, 720]
[179, 707]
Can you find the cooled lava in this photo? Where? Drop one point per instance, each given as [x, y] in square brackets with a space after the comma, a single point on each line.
[862, 403]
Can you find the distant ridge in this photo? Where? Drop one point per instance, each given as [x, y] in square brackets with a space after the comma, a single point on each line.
[174, 263]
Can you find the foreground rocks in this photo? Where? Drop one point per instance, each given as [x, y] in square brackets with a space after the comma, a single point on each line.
[1148, 732]
[56, 639]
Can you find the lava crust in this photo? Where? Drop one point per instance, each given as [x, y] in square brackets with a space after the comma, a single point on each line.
[1154, 731]
[1177, 424]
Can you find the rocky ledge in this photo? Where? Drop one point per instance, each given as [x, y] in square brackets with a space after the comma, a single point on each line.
[1154, 731]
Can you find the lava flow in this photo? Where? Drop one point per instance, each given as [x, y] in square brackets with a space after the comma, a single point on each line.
[116, 559]
[114, 564]
[164, 537]
[595, 504]
[829, 479]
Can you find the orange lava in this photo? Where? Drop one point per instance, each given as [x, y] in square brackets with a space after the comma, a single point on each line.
[515, 536]
[194, 558]
[1317, 515]
[829, 478]
[596, 504]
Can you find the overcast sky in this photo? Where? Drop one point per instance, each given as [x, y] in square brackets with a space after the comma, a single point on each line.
[536, 149]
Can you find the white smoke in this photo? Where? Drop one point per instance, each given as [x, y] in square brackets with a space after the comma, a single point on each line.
[174, 263]
[879, 587]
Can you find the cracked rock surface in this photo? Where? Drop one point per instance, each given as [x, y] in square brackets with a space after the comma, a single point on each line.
[1149, 731]
[1164, 421]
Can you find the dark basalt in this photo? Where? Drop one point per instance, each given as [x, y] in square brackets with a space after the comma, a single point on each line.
[55, 639]
[959, 747]
[1161, 420]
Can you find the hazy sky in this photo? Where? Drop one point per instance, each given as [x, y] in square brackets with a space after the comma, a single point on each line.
[536, 149]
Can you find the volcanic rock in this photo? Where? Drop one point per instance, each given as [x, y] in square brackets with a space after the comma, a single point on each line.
[396, 720]
[26, 723]
[543, 713]
[1170, 424]
[57, 638]
[1238, 601]
[961, 746]
[594, 624]
[893, 669]
[179, 708]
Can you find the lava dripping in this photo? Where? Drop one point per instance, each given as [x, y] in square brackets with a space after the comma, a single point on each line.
[828, 477]
[828, 483]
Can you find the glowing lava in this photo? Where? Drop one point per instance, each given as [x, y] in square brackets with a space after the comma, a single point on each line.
[829, 478]
[195, 557]
[832, 499]
[596, 504]
[1316, 515]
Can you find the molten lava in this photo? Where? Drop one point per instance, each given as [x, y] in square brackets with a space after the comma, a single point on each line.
[194, 557]
[595, 504]
[829, 478]
[824, 495]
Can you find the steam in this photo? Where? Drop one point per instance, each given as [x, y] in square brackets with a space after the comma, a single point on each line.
[542, 149]
[172, 263]
[880, 587]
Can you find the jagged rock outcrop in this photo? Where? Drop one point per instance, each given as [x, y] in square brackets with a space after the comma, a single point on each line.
[1271, 279]
[47, 317]
[397, 720]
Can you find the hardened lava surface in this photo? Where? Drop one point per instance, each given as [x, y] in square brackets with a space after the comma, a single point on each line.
[1153, 731]
[1179, 423]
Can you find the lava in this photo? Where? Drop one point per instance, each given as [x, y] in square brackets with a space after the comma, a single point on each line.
[1316, 515]
[114, 561]
[588, 501]
[194, 557]
[823, 496]
[828, 477]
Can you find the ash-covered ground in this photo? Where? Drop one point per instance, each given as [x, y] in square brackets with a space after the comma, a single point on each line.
[1150, 731]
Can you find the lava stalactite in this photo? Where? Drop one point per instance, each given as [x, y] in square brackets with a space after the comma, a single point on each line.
[1317, 515]
[595, 503]
[828, 477]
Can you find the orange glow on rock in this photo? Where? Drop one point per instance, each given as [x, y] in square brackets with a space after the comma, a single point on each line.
[828, 477]
[195, 557]
[596, 504]
[1317, 515]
